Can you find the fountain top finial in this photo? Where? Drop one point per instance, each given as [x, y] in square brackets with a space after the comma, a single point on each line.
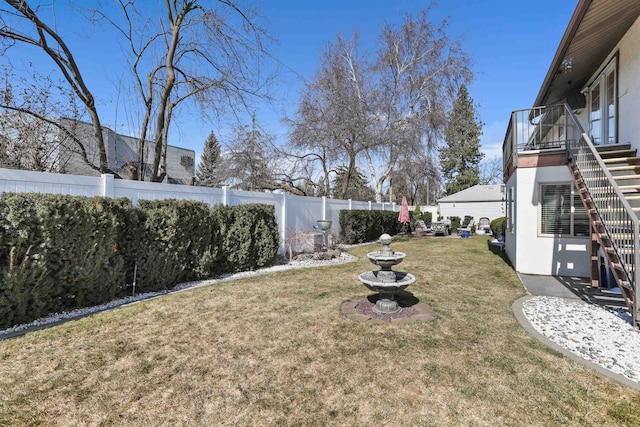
[385, 239]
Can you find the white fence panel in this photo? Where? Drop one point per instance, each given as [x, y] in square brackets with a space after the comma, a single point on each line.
[140, 190]
[334, 206]
[303, 212]
[360, 205]
[293, 213]
[19, 181]
[239, 197]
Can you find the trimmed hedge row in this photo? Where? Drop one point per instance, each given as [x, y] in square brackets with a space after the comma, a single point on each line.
[59, 252]
[359, 226]
[496, 225]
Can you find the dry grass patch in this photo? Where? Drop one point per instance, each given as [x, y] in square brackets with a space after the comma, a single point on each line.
[275, 350]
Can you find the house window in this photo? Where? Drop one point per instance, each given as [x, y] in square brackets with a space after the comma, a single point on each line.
[603, 106]
[561, 211]
[510, 219]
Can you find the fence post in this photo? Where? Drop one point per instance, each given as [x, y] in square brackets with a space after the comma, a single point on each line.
[225, 196]
[369, 204]
[324, 207]
[108, 185]
[283, 223]
[350, 208]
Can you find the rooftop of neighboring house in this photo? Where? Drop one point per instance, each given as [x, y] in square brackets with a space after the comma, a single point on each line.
[477, 193]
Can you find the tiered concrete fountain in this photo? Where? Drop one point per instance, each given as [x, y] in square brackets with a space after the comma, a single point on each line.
[392, 303]
[386, 281]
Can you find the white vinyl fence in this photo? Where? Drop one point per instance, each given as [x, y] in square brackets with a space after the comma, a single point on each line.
[294, 214]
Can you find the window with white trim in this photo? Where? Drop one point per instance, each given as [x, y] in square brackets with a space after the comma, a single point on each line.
[510, 219]
[603, 105]
[561, 211]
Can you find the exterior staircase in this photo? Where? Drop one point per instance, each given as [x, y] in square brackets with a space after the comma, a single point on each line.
[607, 179]
[613, 227]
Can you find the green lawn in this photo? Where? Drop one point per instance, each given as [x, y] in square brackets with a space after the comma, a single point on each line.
[276, 350]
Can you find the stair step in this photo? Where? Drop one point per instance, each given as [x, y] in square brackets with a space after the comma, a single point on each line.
[619, 267]
[623, 188]
[623, 168]
[612, 223]
[625, 177]
[621, 251]
[629, 160]
[617, 236]
[630, 197]
[617, 153]
[635, 209]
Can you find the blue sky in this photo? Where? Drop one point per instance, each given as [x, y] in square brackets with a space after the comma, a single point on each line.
[511, 44]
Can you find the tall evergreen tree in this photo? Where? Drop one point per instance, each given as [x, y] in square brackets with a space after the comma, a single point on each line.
[208, 173]
[460, 158]
[358, 187]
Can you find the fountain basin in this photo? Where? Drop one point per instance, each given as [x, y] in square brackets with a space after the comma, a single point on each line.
[324, 224]
[386, 260]
[386, 282]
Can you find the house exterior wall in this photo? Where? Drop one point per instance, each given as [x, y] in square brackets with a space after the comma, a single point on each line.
[122, 149]
[628, 51]
[629, 87]
[529, 252]
[491, 209]
[532, 253]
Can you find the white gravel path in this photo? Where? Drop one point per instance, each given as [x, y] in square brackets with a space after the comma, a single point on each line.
[600, 335]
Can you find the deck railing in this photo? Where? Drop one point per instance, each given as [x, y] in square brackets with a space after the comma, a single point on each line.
[556, 127]
[534, 129]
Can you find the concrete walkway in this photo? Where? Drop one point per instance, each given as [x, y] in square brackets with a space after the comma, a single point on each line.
[570, 288]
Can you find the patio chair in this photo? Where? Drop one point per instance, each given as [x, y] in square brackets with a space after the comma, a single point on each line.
[470, 227]
[424, 227]
[485, 225]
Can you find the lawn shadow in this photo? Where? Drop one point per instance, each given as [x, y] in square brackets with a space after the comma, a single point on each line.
[403, 298]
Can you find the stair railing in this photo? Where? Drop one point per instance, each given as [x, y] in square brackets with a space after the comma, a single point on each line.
[619, 221]
[556, 128]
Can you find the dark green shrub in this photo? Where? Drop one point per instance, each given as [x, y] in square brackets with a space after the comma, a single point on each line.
[57, 253]
[359, 226]
[249, 237]
[427, 218]
[455, 222]
[177, 234]
[496, 225]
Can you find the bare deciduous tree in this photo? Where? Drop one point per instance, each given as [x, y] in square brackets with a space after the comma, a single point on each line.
[34, 137]
[19, 23]
[417, 179]
[491, 171]
[419, 70]
[207, 53]
[374, 111]
[248, 163]
[333, 119]
[210, 54]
